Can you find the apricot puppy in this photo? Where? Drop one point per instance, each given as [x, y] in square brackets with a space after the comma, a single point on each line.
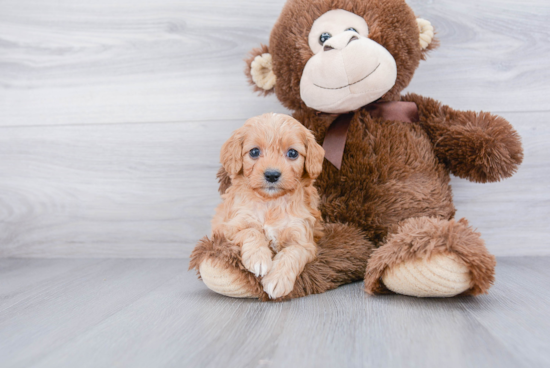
[270, 210]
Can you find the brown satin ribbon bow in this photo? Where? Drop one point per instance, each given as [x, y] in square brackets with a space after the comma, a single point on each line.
[335, 139]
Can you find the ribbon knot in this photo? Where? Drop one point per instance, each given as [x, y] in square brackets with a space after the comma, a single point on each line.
[335, 139]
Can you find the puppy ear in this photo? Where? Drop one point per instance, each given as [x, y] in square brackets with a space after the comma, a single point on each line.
[427, 38]
[231, 153]
[259, 70]
[314, 156]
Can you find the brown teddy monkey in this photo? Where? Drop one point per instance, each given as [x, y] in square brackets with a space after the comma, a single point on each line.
[340, 66]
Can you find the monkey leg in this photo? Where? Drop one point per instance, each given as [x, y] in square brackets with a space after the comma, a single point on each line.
[342, 258]
[431, 257]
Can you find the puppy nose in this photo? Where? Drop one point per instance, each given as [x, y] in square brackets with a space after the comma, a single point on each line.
[272, 176]
[340, 41]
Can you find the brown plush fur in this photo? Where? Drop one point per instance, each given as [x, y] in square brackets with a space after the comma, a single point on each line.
[389, 173]
[394, 180]
[342, 256]
[423, 237]
[480, 147]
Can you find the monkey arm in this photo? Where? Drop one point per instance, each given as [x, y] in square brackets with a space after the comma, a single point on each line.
[477, 146]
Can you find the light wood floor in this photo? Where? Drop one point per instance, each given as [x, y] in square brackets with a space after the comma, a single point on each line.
[154, 313]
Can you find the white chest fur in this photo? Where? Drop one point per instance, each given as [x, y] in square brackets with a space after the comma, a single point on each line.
[271, 235]
[274, 216]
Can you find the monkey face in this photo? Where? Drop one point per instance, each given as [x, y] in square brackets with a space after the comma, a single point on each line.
[348, 70]
[336, 56]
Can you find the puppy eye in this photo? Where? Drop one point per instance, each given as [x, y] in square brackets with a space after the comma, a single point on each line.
[292, 154]
[254, 152]
[352, 29]
[324, 37]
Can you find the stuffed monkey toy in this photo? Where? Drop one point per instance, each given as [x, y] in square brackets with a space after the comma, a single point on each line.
[340, 66]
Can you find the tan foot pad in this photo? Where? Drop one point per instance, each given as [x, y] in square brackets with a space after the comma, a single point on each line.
[443, 275]
[224, 281]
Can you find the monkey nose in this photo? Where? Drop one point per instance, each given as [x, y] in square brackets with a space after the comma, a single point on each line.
[340, 41]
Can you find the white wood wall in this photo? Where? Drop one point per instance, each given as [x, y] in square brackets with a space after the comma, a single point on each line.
[112, 114]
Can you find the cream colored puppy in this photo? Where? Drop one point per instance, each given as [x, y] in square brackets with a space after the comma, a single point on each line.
[270, 210]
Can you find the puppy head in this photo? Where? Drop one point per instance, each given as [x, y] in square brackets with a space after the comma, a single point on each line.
[274, 153]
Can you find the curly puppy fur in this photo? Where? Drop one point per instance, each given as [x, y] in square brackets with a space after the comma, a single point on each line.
[266, 214]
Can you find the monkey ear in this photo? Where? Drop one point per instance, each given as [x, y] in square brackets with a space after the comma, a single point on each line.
[259, 70]
[427, 35]
[231, 153]
[314, 156]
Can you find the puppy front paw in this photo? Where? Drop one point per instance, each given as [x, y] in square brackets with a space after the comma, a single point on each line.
[279, 282]
[258, 261]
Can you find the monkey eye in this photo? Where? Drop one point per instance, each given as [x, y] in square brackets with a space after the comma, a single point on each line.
[292, 154]
[352, 29]
[254, 152]
[324, 37]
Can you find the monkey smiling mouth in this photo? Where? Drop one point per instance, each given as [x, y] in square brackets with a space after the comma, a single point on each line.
[351, 84]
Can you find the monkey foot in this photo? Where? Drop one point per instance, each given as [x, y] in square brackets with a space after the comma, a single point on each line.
[431, 257]
[225, 280]
[442, 275]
